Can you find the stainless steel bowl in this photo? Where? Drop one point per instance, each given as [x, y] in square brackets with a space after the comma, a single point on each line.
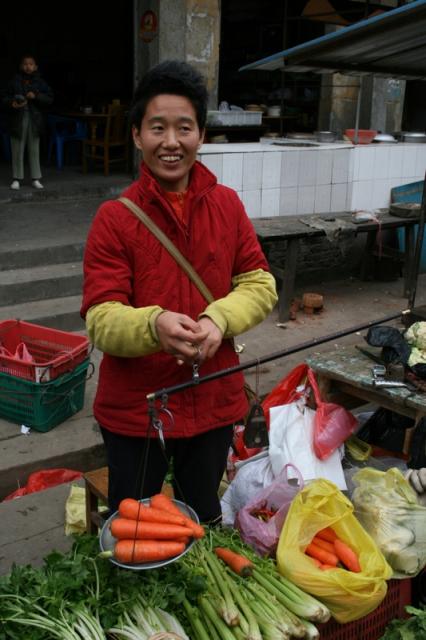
[107, 540]
[384, 137]
[413, 136]
[325, 136]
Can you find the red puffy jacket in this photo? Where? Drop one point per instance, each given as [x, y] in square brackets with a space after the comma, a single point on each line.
[124, 262]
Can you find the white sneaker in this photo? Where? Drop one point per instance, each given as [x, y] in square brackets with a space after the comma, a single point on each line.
[37, 184]
[15, 185]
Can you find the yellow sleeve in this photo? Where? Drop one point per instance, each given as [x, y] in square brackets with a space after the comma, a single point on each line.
[124, 331]
[252, 298]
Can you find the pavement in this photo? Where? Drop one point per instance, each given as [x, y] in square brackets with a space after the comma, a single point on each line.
[64, 210]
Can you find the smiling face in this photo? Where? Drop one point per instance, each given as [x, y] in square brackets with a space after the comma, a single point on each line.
[169, 138]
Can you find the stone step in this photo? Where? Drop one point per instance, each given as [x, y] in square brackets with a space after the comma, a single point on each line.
[58, 313]
[35, 527]
[40, 283]
[38, 256]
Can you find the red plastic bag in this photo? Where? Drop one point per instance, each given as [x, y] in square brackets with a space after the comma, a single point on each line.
[333, 423]
[263, 536]
[45, 479]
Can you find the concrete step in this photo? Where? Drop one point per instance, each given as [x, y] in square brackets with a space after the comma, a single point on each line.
[40, 283]
[58, 313]
[43, 255]
[35, 527]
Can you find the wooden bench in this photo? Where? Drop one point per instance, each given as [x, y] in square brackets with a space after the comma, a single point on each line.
[291, 229]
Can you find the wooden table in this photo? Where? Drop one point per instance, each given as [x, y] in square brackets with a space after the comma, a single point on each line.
[92, 119]
[345, 377]
[291, 229]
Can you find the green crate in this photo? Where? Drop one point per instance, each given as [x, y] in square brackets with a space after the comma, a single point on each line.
[43, 405]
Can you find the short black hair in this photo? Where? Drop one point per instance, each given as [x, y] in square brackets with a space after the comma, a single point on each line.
[173, 77]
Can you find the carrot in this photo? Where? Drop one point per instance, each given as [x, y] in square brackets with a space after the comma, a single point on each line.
[327, 534]
[164, 503]
[137, 551]
[347, 556]
[320, 554]
[125, 529]
[327, 546]
[238, 563]
[134, 510]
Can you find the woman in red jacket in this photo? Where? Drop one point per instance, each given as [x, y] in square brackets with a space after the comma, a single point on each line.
[152, 322]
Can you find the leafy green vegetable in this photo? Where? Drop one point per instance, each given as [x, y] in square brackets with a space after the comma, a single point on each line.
[413, 628]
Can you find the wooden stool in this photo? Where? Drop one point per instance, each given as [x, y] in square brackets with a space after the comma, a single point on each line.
[96, 489]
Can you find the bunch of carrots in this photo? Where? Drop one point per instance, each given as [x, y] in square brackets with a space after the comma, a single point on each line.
[328, 552]
[151, 533]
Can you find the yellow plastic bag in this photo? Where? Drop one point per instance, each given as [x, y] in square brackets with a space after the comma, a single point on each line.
[348, 595]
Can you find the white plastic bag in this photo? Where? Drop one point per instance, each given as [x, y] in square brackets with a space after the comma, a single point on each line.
[291, 441]
[252, 476]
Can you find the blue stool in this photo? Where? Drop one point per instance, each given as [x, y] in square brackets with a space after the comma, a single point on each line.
[63, 129]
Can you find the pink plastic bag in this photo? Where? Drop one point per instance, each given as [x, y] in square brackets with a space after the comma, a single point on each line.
[21, 353]
[264, 536]
[333, 423]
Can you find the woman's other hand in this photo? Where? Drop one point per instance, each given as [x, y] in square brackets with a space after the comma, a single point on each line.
[212, 341]
[180, 336]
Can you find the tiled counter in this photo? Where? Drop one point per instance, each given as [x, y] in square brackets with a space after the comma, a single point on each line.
[274, 180]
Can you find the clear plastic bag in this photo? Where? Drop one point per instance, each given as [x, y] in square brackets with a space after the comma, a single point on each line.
[262, 535]
[388, 508]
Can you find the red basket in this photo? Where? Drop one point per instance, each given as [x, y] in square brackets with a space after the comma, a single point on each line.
[371, 627]
[54, 352]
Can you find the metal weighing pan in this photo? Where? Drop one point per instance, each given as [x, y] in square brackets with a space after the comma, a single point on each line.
[107, 541]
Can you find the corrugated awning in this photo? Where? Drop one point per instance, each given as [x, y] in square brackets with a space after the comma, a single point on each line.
[389, 45]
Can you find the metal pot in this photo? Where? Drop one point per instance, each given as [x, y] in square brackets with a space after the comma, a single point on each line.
[413, 136]
[384, 137]
[325, 136]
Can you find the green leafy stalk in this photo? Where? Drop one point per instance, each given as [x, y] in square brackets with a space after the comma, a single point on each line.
[229, 612]
[197, 625]
[248, 620]
[311, 632]
[223, 630]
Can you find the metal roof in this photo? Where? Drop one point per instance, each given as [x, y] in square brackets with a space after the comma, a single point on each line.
[392, 44]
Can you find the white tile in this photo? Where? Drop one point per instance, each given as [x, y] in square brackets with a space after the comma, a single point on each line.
[381, 194]
[308, 167]
[270, 202]
[288, 201]
[409, 161]
[381, 162]
[252, 171]
[355, 163]
[214, 162]
[366, 162]
[395, 162]
[421, 161]
[290, 168]
[251, 201]
[322, 198]
[349, 197]
[233, 170]
[271, 170]
[324, 166]
[305, 199]
[338, 197]
[340, 166]
[361, 195]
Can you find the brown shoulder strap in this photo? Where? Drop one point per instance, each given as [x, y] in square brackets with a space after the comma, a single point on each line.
[168, 244]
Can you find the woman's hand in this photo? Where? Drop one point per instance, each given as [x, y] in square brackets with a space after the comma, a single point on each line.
[180, 336]
[30, 95]
[212, 341]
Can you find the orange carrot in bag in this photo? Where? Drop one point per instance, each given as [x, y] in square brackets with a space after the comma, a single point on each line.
[320, 554]
[327, 534]
[327, 546]
[347, 556]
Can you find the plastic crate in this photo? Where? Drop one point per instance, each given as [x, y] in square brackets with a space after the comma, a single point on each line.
[43, 405]
[372, 627]
[234, 118]
[54, 352]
